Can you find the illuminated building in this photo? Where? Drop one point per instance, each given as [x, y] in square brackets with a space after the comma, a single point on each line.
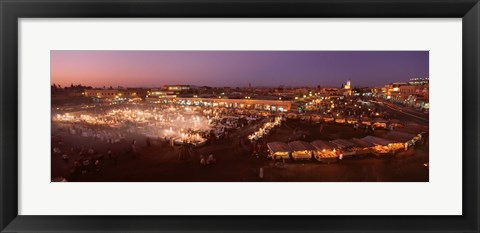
[156, 95]
[247, 103]
[177, 87]
[418, 81]
[111, 93]
[412, 95]
[347, 88]
[101, 93]
[392, 89]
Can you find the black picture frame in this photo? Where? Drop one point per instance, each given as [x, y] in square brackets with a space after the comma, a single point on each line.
[11, 11]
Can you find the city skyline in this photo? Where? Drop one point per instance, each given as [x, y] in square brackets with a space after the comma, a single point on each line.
[150, 69]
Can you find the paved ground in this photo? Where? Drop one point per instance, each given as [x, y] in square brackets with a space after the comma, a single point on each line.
[159, 162]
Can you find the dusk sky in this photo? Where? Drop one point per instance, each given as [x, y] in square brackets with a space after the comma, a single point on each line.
[236, 68]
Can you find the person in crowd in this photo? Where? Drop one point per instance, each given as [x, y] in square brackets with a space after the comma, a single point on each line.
[100, 157]
[97, 165]
[56, 150]
[85, 164]
[210, 159]
[76, 168]
[65, 158]
[109, 153]
[76, 164]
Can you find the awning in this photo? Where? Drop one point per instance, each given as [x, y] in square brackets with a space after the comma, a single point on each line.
[300, 146]
[361, 143]
[278, 147]
[343, 143]
[323, 145]
[377, 141]
[399, 136]
[379, 120]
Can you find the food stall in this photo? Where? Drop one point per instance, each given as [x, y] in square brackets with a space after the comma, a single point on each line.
[382, 146]
[316, 118]
[301, 150]
[352, 121]
[194, 140]
[402, 140]
[365, 121]
[421, 138]
[278, 150]
[380, 123]
[363, 147]
[396, 123]
[292, 116]
[328, 119]
[325, 152]
[347, 147]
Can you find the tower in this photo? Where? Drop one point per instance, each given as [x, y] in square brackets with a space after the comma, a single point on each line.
[347, 88]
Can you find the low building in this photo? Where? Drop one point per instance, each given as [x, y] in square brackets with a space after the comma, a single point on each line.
[278, 150]
[382, 146]
[112, 93]
[325, 152]
[418, 81]
[102, 93]
[266, 105]
[177, 87]
[412, 95]
[157, 95]
[301, 150]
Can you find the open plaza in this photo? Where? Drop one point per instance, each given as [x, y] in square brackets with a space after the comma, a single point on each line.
[184, 133]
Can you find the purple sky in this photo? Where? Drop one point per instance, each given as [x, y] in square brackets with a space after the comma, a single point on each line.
[236, 68]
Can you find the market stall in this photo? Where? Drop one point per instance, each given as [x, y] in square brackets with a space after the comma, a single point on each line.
[301, 150]
[401, 140]
[265, 129]
[396, 123]
[325, 152]
[328, 119]
[278, 150]
[352, 121]
[382, 146]
[193, 139]
[365, 121]
[380, 123]
[316, 118]
[348, 148]
[363, 147]
[292, 116]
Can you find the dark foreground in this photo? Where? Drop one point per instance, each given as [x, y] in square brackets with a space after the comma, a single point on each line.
[160, 162]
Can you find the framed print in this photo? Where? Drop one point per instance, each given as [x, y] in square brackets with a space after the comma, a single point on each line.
[318, 116]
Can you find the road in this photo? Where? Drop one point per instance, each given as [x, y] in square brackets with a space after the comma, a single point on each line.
[406, 112]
